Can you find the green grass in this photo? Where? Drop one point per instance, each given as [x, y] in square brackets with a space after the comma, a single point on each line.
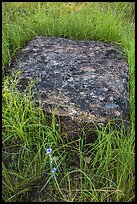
[102, 171]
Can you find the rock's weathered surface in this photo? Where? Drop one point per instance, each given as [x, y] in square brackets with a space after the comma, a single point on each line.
[85, 80]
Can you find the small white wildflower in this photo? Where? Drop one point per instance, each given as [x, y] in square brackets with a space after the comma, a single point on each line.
[54, 158]
[87, 159]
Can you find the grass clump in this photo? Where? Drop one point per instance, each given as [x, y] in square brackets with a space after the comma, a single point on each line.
[75, 171]
[84, 172]
[25, 137]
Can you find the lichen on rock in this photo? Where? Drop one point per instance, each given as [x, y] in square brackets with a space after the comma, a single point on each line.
[85, 80]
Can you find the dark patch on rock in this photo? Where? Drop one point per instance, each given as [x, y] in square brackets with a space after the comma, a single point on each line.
[87, 81]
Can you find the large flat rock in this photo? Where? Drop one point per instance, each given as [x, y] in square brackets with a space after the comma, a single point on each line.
[85, 80]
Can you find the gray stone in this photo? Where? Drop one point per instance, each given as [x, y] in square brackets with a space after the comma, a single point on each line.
[87, 81]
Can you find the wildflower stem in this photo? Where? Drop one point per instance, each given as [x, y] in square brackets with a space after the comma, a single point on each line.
[58, 186]
[46, 183]
[51, 164]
